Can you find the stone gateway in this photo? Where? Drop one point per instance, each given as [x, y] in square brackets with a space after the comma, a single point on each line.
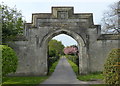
[32, 48]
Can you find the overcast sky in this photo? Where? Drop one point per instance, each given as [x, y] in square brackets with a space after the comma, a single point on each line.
[27, 7]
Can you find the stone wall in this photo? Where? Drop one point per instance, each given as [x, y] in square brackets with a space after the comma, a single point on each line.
[98, 53]
[93, 47]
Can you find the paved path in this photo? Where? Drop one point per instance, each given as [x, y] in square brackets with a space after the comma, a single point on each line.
[64, 74]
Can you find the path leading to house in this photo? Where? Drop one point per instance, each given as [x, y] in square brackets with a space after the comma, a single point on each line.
[64, 74]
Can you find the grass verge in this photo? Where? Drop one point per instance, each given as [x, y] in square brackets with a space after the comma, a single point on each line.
[52, 68]
[74, 66]
[88, 77]
[23, 80]
[91, 77]
[30, 81]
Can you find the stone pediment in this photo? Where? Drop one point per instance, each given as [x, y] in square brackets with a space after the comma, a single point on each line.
[62, 14]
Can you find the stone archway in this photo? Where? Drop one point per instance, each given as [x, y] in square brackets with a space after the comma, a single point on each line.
[44, 26]
[83, 57]
[32, 47]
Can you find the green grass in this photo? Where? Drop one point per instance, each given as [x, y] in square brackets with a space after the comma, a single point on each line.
[23, 80]
[100, 85]
[52, 68]
[88, 77]
[74, 66]
[28, 80]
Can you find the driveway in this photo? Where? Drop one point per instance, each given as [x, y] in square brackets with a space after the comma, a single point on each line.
[64, 74]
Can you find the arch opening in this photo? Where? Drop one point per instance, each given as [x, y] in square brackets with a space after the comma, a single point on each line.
[83, 63]
[62, 46]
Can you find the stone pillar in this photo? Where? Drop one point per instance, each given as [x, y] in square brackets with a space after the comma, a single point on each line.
[83, 61]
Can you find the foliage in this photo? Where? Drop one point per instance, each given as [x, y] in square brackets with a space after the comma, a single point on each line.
[12, 23]
[112, 67]
[52, 68]
[31, 81]
[52, 52]
[23, 80]
[52, 60]
[55, 48]
[9, 60]
[91, 77]
[73, 58]
[110, 19]
[74, 66]
[71, 49]
[0, 67]
[72, 54]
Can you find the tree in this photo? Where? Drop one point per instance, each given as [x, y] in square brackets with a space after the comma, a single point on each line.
[72, 53]
[52, 52]
[71, 50]
[110, 19]
[12, 23]
[55, 48]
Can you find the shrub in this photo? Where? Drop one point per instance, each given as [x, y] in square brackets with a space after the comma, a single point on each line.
[52, 60]
[9, 60]
[112, 68]
[52, 53]
[73, 58]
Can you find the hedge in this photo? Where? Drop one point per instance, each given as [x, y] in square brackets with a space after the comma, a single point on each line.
[73, 58]
[9, 60]
[112, 68]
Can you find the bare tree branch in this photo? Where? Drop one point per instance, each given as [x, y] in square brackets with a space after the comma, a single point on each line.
[110, 19]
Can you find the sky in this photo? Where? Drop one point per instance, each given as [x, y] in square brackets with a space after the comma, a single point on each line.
[27, 7]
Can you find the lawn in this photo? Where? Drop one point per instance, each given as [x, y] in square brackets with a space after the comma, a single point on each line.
[23, 80]
[28, 80]
[88, 77]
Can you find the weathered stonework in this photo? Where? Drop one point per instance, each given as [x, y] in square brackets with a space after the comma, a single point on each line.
[32, 52]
